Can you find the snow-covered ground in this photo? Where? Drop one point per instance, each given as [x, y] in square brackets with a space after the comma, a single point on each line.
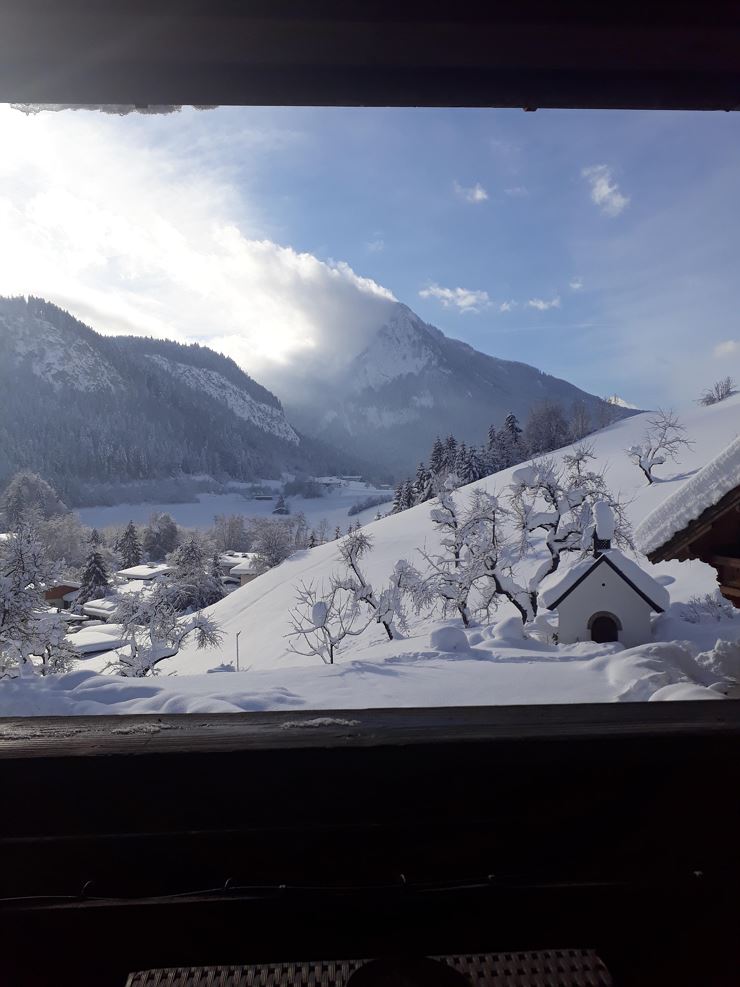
[437, 664]
[333, 506]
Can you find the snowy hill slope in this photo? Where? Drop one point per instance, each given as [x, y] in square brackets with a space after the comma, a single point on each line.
[260, 609]
[412, 382]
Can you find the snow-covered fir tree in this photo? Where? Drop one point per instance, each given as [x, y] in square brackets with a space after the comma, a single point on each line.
[510, 447]
[129, 547]
[29, 493]
[160, 536]
[281, 507]
[437, 458]
[191, 584]
[95, 581]
[423, 487]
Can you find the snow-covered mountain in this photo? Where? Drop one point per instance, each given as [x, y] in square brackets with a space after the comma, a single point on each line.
[268, 417]
[411, 383]
[82, 408]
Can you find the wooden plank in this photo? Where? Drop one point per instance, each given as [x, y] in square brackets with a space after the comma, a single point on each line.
[92, 736]
[726, 560]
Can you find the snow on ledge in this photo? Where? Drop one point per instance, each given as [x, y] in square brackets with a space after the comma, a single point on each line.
[702, 490]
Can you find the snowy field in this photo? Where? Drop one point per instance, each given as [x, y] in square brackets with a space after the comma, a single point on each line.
[437, 664]
[333, 506]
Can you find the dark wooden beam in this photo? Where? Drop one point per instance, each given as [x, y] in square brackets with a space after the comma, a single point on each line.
[678, 55]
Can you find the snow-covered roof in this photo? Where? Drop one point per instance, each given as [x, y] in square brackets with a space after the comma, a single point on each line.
[103, 607]
[104, 637]
[245, 567]
[560, 583]
[702, 490]
[146, 571]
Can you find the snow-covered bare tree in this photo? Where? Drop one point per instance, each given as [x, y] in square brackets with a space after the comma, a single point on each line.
[664, 438]
[272, 541]
[28, 629]
[557, 500]
[384, 608]
[129, 546]
[65, 541]
[475, 565]
[230, 533]
[547, 428]
[321, 620]
[153, 630]
[580, 421]
[720, 390]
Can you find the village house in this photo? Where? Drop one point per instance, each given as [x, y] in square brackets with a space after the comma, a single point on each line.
[605, 598]
[62, 594]
[701, 520]
[246, 570]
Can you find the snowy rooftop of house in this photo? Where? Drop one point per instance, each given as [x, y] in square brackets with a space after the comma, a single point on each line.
[245, 566]
[233, 558]
[702, 490]
[146, 571]
[104, 637]
[560, 583]
[103, 607]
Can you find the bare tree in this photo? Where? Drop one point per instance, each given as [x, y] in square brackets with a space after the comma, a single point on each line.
[664, 438]
[154, 630]
[580, 421]
[475, 566]
[558, 500]
[28, 630]
[384, 608]
[720, 390]
[321, 621]
[273, 541]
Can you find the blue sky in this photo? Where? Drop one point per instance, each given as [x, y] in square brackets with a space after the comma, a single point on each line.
[601, 247]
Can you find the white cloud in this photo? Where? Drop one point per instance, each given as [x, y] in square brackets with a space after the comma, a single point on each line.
[576, 284]
[376, 246]
[516, 191]
[461, 298]
[604, 190]
[542, 305]
[507, 306]
[129, 224]
[727, 348]
[476, 193]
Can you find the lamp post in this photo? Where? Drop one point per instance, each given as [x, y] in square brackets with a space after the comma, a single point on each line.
[237, 650]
